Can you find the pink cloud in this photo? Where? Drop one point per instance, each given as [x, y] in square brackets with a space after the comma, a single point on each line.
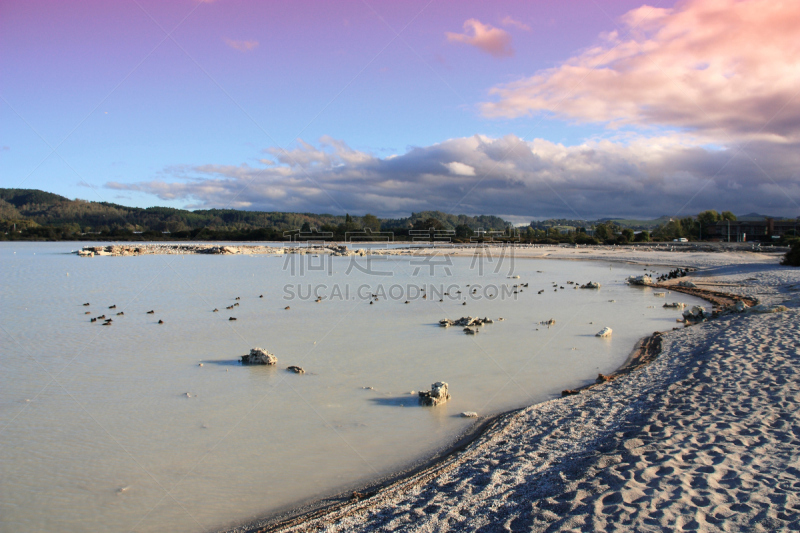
[244, 46]
[491, 40]
[722, 68]
[509, 21]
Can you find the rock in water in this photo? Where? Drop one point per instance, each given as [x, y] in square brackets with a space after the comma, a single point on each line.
[605, 332]
[296, 369]
[644, 279]
[469, 414]
[259, 356]
[438, 394]
[591, 285]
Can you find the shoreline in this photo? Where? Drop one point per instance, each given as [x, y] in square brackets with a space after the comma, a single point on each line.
[361, 497]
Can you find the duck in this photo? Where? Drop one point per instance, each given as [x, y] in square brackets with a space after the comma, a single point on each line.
[121, 313]
[286, 308]
[87, 303]
[112, 306]
[92, 320]
[151, 312]
[232, 318]
[160, 321]
[215, 310]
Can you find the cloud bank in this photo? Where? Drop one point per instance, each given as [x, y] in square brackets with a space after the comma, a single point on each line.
[510, 176]
[726, 69]
[486, 37]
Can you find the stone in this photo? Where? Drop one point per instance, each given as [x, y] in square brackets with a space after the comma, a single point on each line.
[469, 414]
[605, 332]
[644, 279]
[696, 313]
[675, 305]
[437, 395]
[688, 284]
[763, 309]
[296, 369]
[591, 285]
[259, 356]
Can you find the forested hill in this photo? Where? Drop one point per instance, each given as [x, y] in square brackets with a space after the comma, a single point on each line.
[28, 209]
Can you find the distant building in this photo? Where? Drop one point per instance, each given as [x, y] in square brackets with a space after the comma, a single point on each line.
[750, 230]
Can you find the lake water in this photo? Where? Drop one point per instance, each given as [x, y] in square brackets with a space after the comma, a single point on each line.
[97, 431]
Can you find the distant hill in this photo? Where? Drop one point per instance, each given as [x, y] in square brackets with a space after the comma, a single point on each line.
[32, 207]
[638, 224]
[751, 217]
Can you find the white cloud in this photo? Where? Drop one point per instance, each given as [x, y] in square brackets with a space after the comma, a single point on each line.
[242, 46]
[481, 175]
[460, 169]
[486, 37]
[508, 20]
[726, 69]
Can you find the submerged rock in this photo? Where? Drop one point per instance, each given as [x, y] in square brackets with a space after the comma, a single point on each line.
[465, 321]
[259, 356]
[437, 395]
[469, 414]
[675, 305]
[296, 369]
[687, 284]
[591, 285]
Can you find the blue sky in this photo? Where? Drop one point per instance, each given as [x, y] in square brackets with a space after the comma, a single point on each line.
[596, 108]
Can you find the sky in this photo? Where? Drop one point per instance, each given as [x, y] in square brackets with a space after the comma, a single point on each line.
[522, 109]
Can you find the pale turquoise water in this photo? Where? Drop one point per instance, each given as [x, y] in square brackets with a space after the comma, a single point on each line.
[87, 410]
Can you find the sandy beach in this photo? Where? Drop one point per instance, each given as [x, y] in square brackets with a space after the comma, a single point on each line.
[704, 438]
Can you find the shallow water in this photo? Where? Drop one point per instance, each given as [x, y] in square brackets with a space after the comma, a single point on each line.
[97, 430]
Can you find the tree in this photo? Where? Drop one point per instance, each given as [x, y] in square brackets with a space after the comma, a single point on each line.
[306, 228]
[371, 222]
[642, 236]
[428, 224]
[727, 215]
[601, 232]
[706, 218]
[792, 257]
[464, 232]
[627, 233]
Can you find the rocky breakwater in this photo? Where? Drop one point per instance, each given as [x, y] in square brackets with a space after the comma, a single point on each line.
[214, 249]
[437, 395]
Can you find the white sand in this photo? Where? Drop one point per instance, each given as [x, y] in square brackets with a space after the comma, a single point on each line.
[706, 438]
